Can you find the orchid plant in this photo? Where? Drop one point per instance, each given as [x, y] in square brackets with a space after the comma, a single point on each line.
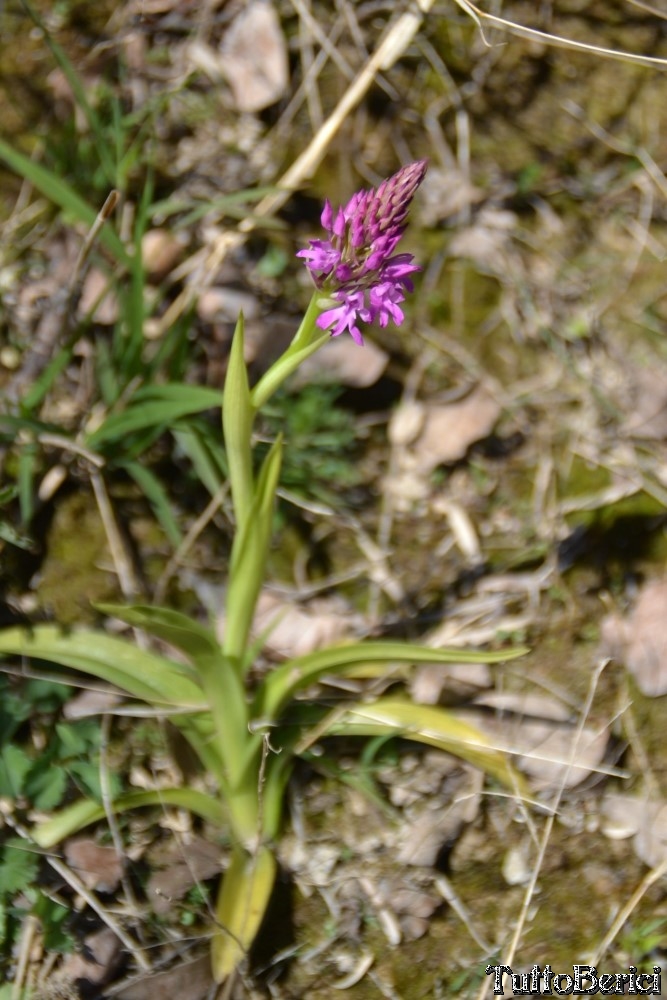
[247, 732]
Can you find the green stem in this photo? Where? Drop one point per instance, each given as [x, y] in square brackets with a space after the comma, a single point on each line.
[301, 347]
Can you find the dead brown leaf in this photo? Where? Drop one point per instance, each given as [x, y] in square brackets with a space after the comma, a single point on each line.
[161, 251]
[187, 981]
[446, 192]
[254, 57]
[448, 431]
[640, 639]
[97, 298]
[485, 241]
[102, 953]
[87, 703]
[428, 682]
[294, 630]
[97, 866]
[422, 839]
[181, 866]
[648, 419]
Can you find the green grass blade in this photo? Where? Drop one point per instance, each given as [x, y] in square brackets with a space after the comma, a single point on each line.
[26, 480]
[62, 194]
[154, 406]
[201, 446]
[79, 91]
[157, 496]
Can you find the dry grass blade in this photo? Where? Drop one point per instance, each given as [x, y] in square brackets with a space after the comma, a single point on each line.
[509, 955]
[480, 17]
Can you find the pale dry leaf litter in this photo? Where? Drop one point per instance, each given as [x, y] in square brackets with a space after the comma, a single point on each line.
[292, 630]
[344, 363]
[425, 435]
[542, 736]
[639, 639]
[185, 980]
[646, 417]
[640, 817]
[253, 57]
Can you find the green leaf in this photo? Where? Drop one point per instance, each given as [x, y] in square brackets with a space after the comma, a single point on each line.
[248, 559]
[431, 725]
[243, 901]
[86, 775]
[155, 493]
[54, 920]
[281, 684]
[85, 812]
[12, 537]
[153, 678]
[78, 738]
[225, 695]
[237, 420]
[26, 480]
[202, 447]
[8, 990]
[14, 767]
[154, 406]
[18, 866]
[45, 785]
[60, 193]
[170, 626]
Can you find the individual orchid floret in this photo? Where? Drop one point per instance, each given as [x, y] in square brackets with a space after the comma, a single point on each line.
[355, 268]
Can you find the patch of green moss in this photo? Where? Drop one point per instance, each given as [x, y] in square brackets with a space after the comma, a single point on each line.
[77, 569]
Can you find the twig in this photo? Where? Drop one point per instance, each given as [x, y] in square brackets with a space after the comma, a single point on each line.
[121, 559]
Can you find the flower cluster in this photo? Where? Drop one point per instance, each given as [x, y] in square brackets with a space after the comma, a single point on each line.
[355, 267]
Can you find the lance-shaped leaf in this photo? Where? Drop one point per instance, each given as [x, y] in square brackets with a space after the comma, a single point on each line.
[237, 419]
[281, 684]
[249, 552]
[149, 676]
[86, 811]
[427, 724]
[167, 686]
[243, 900]
[225, 696]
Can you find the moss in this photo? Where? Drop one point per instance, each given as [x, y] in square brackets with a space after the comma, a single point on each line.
[77, 568]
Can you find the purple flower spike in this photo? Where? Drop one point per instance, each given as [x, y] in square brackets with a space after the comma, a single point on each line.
[355, 266]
